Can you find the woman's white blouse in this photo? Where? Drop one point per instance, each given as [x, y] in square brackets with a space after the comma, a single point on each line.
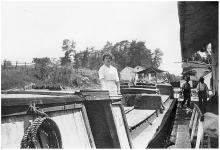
[108, 73]
[110, 77]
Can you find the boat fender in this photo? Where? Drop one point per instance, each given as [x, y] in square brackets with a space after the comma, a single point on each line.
[42, 133]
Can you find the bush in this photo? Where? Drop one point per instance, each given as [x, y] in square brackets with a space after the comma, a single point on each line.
[15, 79]
[64, 76]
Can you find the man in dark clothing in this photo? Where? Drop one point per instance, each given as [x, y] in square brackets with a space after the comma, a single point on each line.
[203, 94]
[186, 90]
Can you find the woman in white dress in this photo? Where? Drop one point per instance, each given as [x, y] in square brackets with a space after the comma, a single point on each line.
[108, 76]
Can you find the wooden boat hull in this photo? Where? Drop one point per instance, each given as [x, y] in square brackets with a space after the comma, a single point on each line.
[87, 120]
[148, 130]
[164, 130]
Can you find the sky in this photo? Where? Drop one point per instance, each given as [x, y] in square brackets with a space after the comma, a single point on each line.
[37, 29]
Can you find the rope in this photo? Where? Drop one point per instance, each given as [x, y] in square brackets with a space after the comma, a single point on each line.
[31, 137]
[34, 111]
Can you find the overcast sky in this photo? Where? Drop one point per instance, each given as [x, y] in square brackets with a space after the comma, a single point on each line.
[37, 29]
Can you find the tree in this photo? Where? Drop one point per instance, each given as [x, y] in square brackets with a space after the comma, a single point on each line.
[139, 55]
[7, 64]
[42, 67]
[172, 77]
[77, 60]
[69, 48]
[120, 53]
[125, 53]
[95, 59]
[107, 47]
[85, 58]
[157, 57]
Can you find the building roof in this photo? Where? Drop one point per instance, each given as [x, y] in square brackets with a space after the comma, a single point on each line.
[138, 68]
[151, 70]
[127, 68]
[130, 68]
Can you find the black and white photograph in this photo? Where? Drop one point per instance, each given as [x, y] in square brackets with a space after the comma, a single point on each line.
[120, 74]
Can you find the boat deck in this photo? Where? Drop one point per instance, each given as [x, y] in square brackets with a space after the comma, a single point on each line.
[147, 131]
[143, 123]
[136, 116]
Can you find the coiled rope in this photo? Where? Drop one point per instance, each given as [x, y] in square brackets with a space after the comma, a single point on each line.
[42, 133]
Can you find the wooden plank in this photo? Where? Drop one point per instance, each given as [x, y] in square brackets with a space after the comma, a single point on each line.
[126, 125]
[111, 125]
[144, 86]
[192, 118]
[72, 128]
[40, 92]
[209, 141]
[137, 116]
[149, 102]
[164, 98]
[47, 109]
[128, 109]
[183, 137]
[120, 126]
[39, 99]
[138, 91]
[64, 107]
[88, 128]
[116, 97]
[198, 110]
[200, 133]
[194, 126]
[94, 94]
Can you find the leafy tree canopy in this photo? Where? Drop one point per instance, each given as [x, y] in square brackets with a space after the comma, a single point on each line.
[125, 53]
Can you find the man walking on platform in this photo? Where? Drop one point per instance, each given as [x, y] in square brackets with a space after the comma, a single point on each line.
[203, 93]
[186, 90]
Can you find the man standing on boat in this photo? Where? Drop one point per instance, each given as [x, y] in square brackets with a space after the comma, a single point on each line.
[203, 93]
[186, 90]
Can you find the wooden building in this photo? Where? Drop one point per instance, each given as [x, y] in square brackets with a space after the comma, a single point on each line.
[198, 28]
[127, 74]
[150, 74]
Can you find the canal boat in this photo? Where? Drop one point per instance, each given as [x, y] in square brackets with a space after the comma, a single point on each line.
[55, 119]
[151, 115]
[87, 118]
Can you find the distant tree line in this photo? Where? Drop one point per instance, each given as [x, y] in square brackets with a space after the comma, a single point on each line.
[78, 68]
[125, 53]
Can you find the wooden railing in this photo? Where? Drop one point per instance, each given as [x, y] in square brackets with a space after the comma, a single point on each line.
[15, 65]
[196, 123]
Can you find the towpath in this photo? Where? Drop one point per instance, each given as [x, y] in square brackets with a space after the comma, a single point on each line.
[180, 135]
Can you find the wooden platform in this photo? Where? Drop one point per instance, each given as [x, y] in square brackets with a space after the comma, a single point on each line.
[180, 134]
[183, 137]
